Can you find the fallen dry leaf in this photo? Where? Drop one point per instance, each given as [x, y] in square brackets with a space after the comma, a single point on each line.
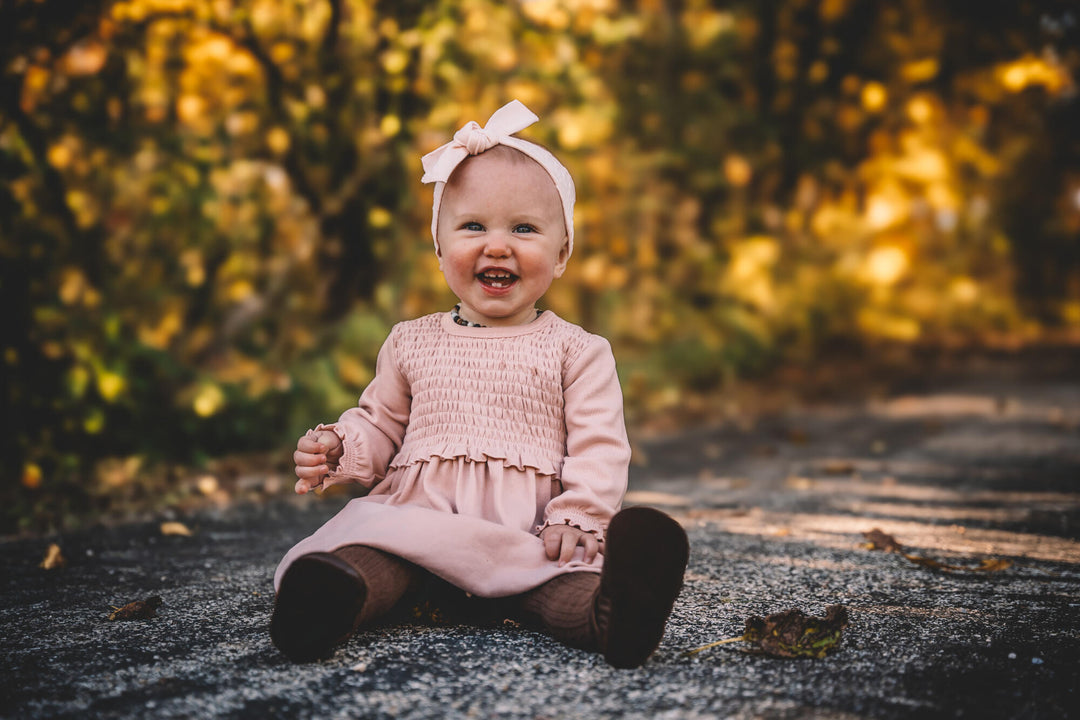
[207, 484]
[878, 540]
[53, 558]
[985, 565]
[138, 610]
[992, 565]
[791, 633]
[175, 528]
[428, 612]
[837, 466]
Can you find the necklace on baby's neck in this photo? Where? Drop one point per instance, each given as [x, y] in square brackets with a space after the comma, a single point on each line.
[455, 315]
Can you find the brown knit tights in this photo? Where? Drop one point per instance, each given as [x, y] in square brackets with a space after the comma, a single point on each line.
[565, 608]
[386, 576]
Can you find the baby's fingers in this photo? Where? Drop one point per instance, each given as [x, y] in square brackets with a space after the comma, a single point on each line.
[552, 543]
[569, 545]
[303, 487]
[310, 445]
[307, 459]
[591, 545]
[309, 476]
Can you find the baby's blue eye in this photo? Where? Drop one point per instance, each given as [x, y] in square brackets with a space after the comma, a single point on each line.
[524, 228]
[472, 227]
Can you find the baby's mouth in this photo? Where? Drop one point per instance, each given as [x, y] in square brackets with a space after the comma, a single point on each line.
[498, 279]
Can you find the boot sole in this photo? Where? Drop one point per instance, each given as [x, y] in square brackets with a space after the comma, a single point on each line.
[645, 558]
[317, 605]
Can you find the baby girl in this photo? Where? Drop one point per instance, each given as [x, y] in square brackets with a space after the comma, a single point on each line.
[491, 438]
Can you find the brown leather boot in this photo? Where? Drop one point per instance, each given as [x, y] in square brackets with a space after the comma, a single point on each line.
[645, 556]
[317, 606]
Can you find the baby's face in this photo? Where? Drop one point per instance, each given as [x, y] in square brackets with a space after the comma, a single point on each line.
[502, 237]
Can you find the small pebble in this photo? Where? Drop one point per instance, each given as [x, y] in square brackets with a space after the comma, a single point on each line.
[1012, 656]
[1036, 661]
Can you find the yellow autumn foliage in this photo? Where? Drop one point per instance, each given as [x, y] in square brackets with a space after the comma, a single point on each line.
[214, 214]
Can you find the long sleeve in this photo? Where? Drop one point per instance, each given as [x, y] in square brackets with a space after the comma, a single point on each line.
[594, 472]
[371, 433]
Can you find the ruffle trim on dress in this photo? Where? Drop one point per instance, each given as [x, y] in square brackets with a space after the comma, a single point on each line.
[560, 512]
[353, 466]
[517, 459]
[541, 528]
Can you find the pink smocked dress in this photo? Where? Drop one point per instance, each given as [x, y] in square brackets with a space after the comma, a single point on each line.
[471, 441]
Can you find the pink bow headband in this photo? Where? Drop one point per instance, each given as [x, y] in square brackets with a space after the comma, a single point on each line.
[472, 139]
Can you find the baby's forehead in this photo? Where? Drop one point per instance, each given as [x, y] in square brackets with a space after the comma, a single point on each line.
[511, 158]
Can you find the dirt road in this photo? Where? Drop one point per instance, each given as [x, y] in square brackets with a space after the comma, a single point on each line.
[958, 472]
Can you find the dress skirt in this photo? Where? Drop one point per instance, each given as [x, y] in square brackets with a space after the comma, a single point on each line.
[472, 523]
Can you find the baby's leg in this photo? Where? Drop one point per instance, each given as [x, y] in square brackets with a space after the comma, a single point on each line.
[387, 578]
[565, 608]
[324, 597]
[621, 612]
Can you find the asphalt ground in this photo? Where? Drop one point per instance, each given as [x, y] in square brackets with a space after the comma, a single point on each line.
[958, 470]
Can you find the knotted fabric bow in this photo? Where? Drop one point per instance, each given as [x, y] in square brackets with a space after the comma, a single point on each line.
[471, 139]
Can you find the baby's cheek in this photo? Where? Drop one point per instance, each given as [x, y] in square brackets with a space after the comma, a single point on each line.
[458, 264]
[457, 270]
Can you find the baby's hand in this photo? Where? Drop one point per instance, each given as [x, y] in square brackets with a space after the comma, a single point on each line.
[560, 541]
[314, 454]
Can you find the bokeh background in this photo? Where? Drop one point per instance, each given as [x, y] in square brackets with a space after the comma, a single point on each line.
[211, 212]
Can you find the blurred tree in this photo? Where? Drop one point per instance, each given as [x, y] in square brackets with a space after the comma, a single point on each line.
[211, 211]
[182, 176]
[31, 238]
[845, 169]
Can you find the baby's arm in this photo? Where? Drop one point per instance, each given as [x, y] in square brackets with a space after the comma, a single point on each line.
[594, 472]
[360, 445]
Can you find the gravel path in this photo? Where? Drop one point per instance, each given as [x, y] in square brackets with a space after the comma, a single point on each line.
[960, 471]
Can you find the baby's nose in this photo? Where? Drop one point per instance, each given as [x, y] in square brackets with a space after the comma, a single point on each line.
[498, 245]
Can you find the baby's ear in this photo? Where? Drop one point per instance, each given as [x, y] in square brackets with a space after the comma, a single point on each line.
[562, 258]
